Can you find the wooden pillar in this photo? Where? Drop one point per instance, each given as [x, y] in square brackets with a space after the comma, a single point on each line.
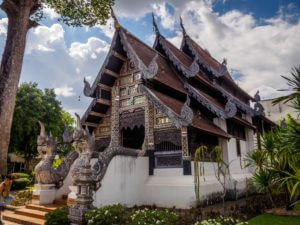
[186, 157]
[149, 135]
[115, 118]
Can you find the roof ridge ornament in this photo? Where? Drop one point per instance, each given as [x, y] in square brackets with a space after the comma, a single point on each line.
[258, 107]
[186, 112]
[223, 68]
[116, 22]
[87, 90]
[230, 108]
[182, 27]
[155, 27]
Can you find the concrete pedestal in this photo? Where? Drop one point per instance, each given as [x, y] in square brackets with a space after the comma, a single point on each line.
[43, 194]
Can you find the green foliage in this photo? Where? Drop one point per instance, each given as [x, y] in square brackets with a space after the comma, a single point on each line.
[294, 87]
[20, 184]
[154, 216]
[198, 171]
[58, 217]
[57, 162]
[33, 105]
[20, 175]
[112, 214]
[22, 198]
[78, 13]
[268, 219]
[221, 221]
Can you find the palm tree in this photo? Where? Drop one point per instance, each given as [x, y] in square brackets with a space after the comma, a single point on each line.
[294, 86]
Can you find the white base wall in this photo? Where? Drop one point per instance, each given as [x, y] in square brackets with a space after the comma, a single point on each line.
[127, 182]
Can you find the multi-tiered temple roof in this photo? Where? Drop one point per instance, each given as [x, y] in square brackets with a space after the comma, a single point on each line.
[188, 85]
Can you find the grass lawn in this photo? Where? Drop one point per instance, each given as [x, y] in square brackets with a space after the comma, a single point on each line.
[268, 219]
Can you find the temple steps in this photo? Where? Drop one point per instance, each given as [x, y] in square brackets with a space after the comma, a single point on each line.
[31, 214]
[9, 217]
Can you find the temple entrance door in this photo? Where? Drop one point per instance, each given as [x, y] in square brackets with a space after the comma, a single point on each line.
[133, 138]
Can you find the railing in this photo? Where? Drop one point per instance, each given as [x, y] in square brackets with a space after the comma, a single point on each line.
[168, 159]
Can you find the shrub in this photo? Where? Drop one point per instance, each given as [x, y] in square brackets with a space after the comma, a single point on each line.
[112, 214]
[21, 198]
[20, 184]
[221, 221]
[154, 216]
[58, 217]
[20, 175]
[56, 162]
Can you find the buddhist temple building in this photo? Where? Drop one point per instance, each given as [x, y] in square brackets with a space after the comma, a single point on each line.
[167, 102]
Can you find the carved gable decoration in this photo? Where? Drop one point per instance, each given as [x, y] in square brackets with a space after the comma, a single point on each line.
[173, 136]
[132, 119]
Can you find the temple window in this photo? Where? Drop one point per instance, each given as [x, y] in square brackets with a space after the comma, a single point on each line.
[238, 147]
[236, 130]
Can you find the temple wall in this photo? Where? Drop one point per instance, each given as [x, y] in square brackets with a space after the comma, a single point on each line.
[127, 182]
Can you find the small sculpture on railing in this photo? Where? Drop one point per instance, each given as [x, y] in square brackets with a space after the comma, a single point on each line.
[258, 107]
[45, 174]
[84, 144]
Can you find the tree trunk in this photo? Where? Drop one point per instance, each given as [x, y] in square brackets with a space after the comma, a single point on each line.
[18, 13]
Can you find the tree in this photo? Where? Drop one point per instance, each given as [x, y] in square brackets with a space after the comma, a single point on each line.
[33, 105]
[22, 16]
[294, 87]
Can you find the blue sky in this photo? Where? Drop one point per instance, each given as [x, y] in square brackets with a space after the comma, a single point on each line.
[260, 39]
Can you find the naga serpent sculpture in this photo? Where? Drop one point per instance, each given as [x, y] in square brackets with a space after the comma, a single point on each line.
[45, 174]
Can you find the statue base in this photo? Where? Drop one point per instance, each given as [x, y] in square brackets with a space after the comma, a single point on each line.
[43, 194]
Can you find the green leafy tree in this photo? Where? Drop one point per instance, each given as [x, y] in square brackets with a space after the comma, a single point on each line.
[33, 105]
[22, 16]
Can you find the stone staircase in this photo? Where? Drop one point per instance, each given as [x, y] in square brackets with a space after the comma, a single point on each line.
[31, 214]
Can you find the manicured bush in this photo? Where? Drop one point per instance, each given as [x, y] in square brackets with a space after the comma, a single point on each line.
[21, 197]
[58, 217]
[20, 184]
[221, 221]
[154, 216]
[112, 214]
[20, 175]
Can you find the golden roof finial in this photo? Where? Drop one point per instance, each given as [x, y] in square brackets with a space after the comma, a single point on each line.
[116, 22]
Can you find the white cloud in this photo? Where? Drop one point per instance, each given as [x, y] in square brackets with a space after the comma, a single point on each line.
[45, 39]
[261, 52]
[3, 26]
[108, 29]
[64, 91]
[89, 78]
[267, 92]
[50, 12]
[167, 20]
[77, 70]
[93, 47]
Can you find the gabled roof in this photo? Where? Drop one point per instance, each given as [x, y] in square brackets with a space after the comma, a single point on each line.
[154, 66]
[204, 58]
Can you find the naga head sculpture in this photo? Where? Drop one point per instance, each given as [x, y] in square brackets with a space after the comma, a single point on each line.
[46, 145]
[83, 141]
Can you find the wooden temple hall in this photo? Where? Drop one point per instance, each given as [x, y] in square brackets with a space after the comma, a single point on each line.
[169, 101]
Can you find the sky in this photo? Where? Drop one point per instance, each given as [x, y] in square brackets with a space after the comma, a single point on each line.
[259, 38]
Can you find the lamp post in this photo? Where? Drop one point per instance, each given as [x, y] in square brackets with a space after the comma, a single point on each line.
[84, 201]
